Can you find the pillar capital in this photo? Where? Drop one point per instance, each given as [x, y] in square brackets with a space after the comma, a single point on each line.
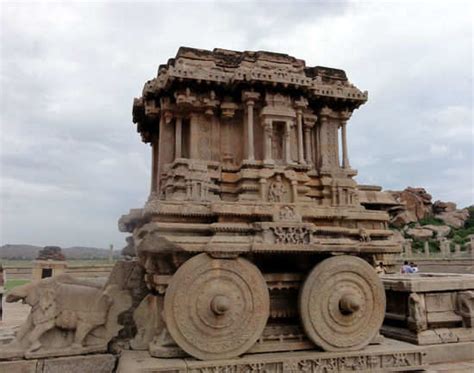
[301, 104]
[325, 112]
[345, 115]
[309, 120]
[249, 97]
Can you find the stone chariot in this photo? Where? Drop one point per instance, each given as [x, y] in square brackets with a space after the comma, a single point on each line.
[253, 236]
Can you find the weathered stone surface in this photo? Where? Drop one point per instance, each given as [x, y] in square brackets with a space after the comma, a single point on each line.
[440, 207]
[247, 178]
[68, 316]
[147, 322]
[439, 230]
[20, 366]
[416, 200]
[454, 218]
[128, 276]
[429, 308]
[104, 363]
[420, 233]
[388, 357]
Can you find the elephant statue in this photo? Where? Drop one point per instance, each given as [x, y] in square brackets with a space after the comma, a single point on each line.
[68, 304]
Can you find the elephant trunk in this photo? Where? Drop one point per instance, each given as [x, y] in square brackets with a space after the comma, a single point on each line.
[18, 293]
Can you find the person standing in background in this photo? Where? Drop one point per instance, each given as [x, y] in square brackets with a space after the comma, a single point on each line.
[380, 269]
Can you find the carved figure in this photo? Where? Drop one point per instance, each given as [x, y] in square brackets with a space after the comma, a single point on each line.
[65, 303]
[417, 313]
[276, 191]
[465, 307]
[287, 213]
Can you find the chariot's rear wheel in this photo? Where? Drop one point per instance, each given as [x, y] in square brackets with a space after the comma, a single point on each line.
[342, 304]
[216, 308]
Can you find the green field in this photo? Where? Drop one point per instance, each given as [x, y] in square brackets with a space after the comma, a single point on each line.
[15, 282]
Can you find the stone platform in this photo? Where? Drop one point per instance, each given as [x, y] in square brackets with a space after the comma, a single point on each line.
[391, 356]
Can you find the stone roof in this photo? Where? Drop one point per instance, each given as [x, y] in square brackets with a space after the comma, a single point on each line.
[222, 66]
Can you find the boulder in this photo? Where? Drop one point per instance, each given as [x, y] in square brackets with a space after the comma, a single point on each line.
[455, 219]
[402, 218]
[439, 230]
[398, 236]
[416, 200]
[420, 233]
[440, 207]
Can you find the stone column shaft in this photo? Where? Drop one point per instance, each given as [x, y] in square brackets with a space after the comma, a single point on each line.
[154, 166]
[178, 138]
[250, 146]
[195, 136]
[323, 144]
[307, 140]
[345, 156]
[287, 142]
[299, 122]
[267, 138]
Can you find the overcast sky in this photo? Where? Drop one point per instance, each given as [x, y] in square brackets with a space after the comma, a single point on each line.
[71, 162]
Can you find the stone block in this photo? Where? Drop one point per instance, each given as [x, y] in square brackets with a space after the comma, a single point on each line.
[429, 308]
[104, 363]
[389, 356]
[19, 366]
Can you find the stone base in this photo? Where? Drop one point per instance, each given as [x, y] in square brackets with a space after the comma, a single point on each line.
[11, 352]
[391, 356]
[429, 337]
[103, 363]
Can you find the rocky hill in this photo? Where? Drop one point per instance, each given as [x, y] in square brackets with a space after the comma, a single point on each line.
[418, 218]
[30, 252]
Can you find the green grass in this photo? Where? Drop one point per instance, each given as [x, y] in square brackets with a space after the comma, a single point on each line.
[14, 283]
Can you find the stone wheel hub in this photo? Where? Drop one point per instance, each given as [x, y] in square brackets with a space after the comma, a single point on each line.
[342, 304]
[216, 308]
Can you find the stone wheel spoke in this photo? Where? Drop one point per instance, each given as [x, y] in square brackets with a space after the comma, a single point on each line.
[216, 308]
[342, 304]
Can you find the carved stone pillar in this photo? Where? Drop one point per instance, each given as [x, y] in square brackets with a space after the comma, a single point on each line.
[426, 248]
[308, 124]
[154, 165]
[267, 141]
[287, 142]
[323, 141]
[345, 156]
[344, 116]
[294, 191]
[195, 136]
[250, 149]
[299, 123]
[249, 98]
[178, 138]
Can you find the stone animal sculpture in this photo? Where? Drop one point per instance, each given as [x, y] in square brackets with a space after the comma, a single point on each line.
[65, 303]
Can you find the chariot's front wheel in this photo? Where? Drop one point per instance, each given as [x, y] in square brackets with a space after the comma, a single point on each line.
[216, 308]
[342, 304]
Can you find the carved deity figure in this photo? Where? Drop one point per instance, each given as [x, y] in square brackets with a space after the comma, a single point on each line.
[276, 190]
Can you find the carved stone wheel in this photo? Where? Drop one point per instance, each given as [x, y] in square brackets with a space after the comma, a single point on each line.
[342, 304]
[216, 308]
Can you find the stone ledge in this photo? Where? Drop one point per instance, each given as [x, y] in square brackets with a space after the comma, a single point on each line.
[391, 356]
[103, 363]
